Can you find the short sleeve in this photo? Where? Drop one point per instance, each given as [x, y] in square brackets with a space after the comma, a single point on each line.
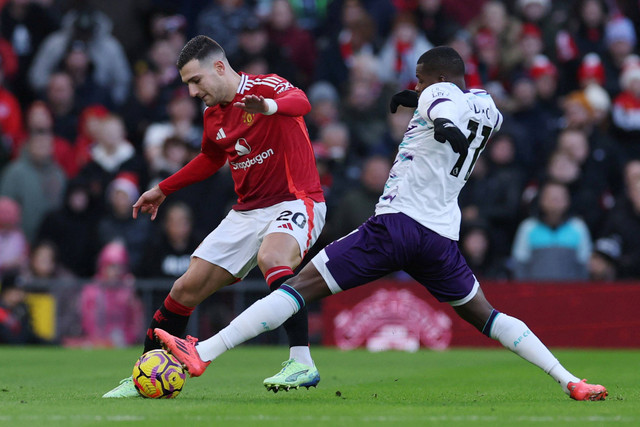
[438, 101]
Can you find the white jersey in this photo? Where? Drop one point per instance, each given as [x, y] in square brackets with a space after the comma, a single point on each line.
[427, 175]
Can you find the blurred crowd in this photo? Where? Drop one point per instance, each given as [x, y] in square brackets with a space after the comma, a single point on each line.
[93, 112]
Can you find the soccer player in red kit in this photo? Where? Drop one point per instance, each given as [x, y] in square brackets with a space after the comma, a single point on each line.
[255, 123]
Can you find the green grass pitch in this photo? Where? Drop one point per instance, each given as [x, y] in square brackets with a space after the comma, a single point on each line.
[56, 386]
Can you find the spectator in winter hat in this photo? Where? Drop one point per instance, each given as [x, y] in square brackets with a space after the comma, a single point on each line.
[630, 72]
[625, 114]
[545, 78]
[591, 70]
[620, 40]
[538, 12]
[127, 183]
[122, 193]
[599, 100]
[578, 111]
[530, 44]
[620, 31]
[111, 312]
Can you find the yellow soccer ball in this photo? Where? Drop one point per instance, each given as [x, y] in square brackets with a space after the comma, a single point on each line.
[158, 375]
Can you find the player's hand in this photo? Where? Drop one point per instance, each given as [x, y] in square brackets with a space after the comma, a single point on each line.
[149, 202]
[406, 98]
[444, 130]
[252, 104]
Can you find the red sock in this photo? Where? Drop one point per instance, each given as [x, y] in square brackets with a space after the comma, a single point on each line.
[275, 274]
[172, 317]
[177, 308]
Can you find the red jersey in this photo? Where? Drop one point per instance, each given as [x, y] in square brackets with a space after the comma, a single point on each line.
[270, 156]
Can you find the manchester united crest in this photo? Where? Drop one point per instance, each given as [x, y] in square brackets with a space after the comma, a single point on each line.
[247, 118]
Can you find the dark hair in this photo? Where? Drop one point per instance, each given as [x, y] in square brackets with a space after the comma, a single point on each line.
[442, 60]
[199, 47]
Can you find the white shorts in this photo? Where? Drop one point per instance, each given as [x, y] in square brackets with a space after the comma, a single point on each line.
[234, 244]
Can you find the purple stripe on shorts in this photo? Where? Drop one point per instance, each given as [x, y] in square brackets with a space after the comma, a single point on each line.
[436, 102]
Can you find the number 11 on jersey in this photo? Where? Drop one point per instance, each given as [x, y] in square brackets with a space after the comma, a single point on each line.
[473, 128]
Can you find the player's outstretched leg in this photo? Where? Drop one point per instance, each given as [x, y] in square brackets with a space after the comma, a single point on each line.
[517, 337]
[126, 388]
[293, 375]
[583, 391]
[184, 350]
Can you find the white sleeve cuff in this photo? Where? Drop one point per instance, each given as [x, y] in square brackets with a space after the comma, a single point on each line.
[272, 107]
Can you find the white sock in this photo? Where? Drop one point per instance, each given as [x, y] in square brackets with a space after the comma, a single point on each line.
[264, 315]
[301, 354]
[563, 377]
[515, 335]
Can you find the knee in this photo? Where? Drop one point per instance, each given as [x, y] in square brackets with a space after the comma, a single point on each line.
[270, 259]
[184, 292]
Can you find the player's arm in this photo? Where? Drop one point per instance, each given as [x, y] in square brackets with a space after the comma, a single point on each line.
[441, 110]
[406, 98]
[284, 99]
[198, 169]
[292, 102]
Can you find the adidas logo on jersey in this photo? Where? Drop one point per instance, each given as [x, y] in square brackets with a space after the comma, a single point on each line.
[221, 134]
[287, 226]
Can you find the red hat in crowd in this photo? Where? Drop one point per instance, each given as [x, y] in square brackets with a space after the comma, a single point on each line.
[128, 183]
[591, 68]
[542, 67]
[530, 30]
[113, 253]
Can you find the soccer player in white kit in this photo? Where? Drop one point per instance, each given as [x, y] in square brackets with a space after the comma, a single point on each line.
[415, 229]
